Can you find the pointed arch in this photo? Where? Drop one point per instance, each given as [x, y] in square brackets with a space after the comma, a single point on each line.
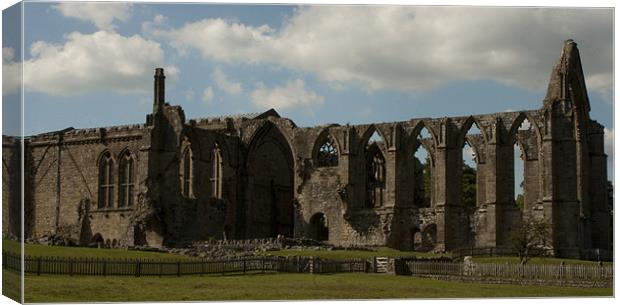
[265, 130]
[106, 180]
[469, 123]
[415, 133]
[514, 128]
[375, 177]
[326, 150]
[216, 171]
[270, 165]
[187, 172]
[368, 134]
[126, 178]
[421, 153]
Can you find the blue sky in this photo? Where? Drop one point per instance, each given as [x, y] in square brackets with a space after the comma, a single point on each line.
[92, 65]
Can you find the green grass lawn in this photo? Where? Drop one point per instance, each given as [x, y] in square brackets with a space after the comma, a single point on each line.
[344, 254]
[41, 250]
[11, 285]
[272, 287]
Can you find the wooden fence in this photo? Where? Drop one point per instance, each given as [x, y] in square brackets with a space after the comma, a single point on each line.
[433, 268]
[547, 271]
[159, 267]
[509, 271]
[584, 254]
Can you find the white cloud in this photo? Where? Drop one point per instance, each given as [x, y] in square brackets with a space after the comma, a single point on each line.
[207, 95]
[8, 54]
[102, 15]
[222, 82]
[189, 94]
[11, 72]
[601, 83]
[293, 94]
[159, 21]
[102, 61]
[411, 48]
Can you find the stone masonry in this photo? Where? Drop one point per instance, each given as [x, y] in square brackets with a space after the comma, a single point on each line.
[173, 181]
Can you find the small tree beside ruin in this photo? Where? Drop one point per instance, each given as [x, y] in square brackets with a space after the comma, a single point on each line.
[530, 238]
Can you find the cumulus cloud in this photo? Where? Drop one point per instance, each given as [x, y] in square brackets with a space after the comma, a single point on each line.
[11, 71]
[411, 48]
[603, 84]
[101, 61]
[292, 94]
[101, 14]
[207, 95]
[222, 82]
[8, 54]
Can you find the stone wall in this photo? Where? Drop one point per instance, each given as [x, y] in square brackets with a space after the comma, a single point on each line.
[272, 183]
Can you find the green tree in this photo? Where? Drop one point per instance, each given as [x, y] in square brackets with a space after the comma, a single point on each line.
[530, 238]
[427, 181]
[469, 186]
[520, 201]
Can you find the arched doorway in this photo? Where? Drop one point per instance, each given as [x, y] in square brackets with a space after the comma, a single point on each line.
[416, 238]
[270, 210]
[318, 227]
[97, 241]
[429, 237]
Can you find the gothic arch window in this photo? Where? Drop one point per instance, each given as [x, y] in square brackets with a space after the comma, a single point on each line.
[327, 155]
[216, 172]
[186, 172]
[375, 181]
[126, 180]
[106, 181]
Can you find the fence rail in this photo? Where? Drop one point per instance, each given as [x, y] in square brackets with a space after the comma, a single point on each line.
[412, 266]
[508, 271]
[584, 254]
[434, 268]
[163, 267]
[533, 271]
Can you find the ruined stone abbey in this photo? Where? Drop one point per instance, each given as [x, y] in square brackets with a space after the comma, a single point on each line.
[172, 180]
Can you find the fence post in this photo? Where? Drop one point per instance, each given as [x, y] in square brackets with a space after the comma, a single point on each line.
[178, 268]
[244, 265]
[38, 265]
[138, 268]
[263, 262]
[104, 267]
[160, 268]
[70, 267]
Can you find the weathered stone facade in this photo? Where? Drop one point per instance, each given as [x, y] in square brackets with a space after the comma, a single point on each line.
[259, 175]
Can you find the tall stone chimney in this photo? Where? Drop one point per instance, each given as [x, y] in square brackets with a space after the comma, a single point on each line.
[159, 89]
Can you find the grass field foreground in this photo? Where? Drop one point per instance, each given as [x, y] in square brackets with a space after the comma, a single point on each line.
[273, 287]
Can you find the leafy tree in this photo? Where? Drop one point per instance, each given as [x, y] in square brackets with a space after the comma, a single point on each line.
[520, 201]
[469, 186]
[530, 238]
[427, 181]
